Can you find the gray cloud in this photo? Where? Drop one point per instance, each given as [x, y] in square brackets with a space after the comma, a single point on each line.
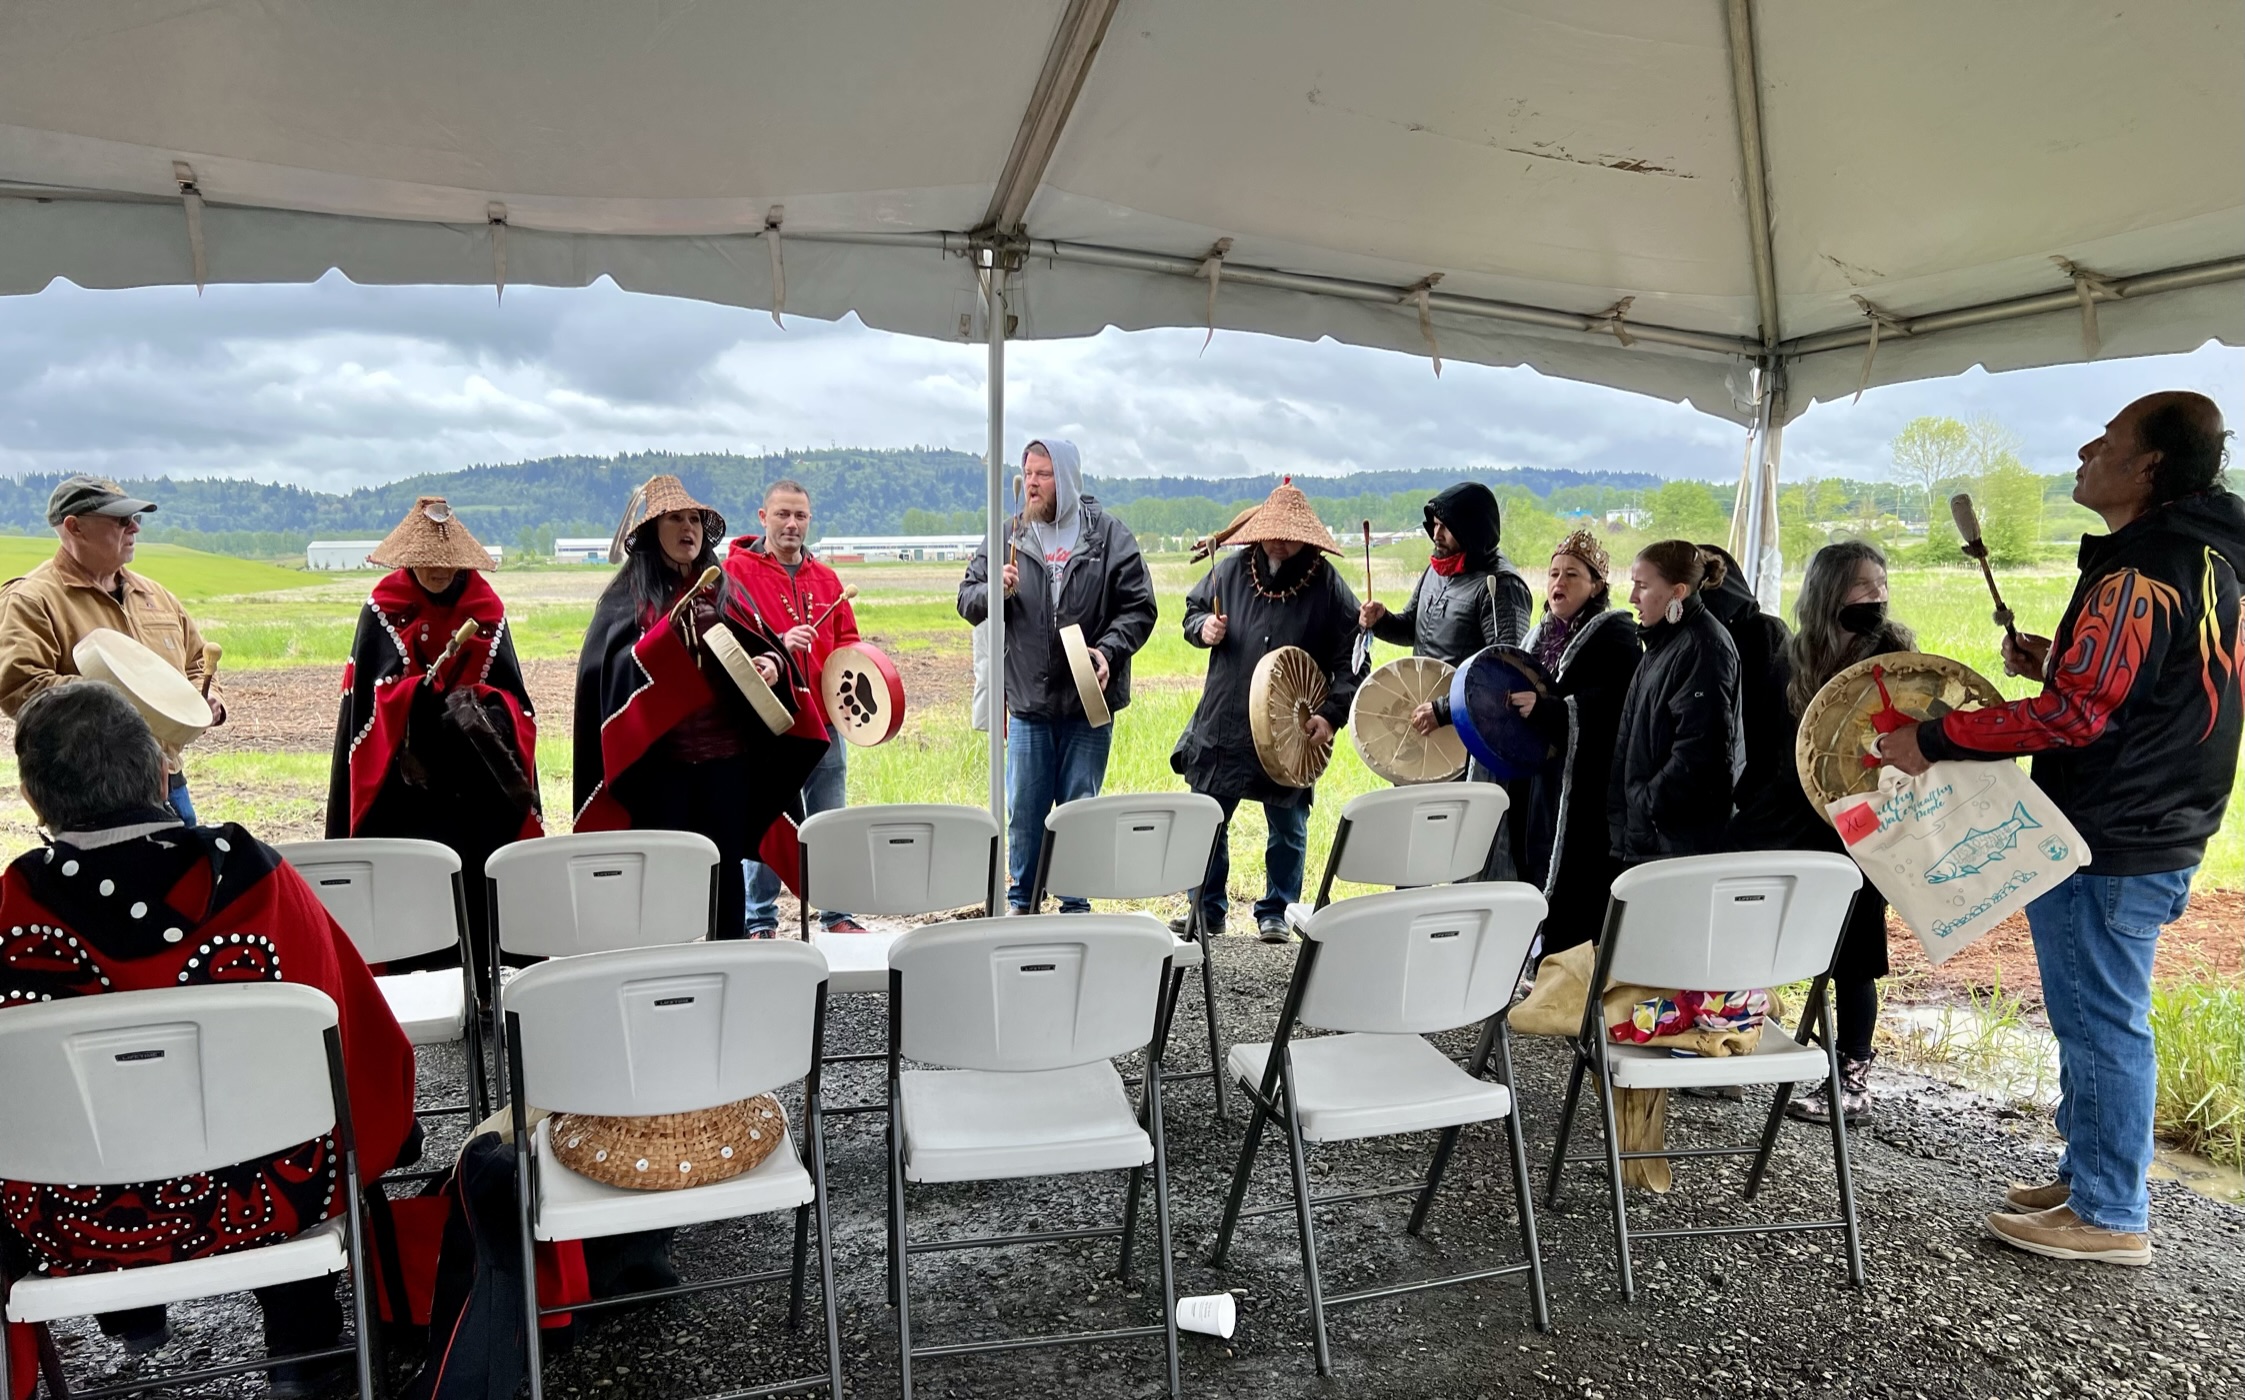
[336, 385]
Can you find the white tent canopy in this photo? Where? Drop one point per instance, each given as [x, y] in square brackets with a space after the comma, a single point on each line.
[1713, 201]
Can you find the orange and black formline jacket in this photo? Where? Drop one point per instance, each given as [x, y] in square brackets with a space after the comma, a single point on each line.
[2136, 731]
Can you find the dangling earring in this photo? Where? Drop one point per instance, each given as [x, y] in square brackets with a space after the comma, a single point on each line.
[1675, 613]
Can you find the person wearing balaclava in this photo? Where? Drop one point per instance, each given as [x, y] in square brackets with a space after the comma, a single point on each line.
[1842, 610]
[1068, 562]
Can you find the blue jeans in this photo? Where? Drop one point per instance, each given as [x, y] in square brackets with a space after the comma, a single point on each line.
[1048, 762]
[181, 803]
[2094, 937]
[823, 791]
[1285, 850]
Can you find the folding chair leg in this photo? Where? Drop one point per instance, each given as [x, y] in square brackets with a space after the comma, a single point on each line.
[1443, 1147]
[1215, 1037]
[900, 1280]
[802, 1249]
[1233, 1200]
[825, 1254]
[1161, 1224]
[1839, 1152]
[50, 1364]
[1606, 1093]
[1516, 1138]
[1130, 1218]
[1755, 1173]
[1566, 1128]
[1300, 1164]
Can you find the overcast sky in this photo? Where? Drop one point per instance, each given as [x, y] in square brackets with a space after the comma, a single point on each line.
[335, 385]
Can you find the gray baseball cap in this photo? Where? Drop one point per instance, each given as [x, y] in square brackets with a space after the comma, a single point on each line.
[90, 495]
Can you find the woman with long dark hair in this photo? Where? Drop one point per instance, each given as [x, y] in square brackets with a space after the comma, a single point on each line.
[1679, 750]
[1841, 620]
[1591, 650]
[662, 742]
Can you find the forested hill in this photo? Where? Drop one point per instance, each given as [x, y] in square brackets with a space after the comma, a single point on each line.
[855, 492]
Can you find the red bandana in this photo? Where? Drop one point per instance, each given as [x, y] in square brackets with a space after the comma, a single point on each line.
[1448, 565]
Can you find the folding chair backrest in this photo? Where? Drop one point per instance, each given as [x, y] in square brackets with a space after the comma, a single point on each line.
[665, 1030]
[1130, 845]
[1425, 834]
[1031, 992]
[1413, 962]
[903, 858]
[392, 895]
[140, 1086]
[591, 892]
[1726, 922]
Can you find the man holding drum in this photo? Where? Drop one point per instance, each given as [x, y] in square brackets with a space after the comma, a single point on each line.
[86, 588]
[1069, 563]
[792, 589]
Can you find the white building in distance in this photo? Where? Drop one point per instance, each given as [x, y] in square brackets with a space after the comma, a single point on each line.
[582, 550]
[337, 556]
[915, 548]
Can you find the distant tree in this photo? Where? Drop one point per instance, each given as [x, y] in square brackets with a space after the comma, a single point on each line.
[2010, 501]
[1928, 454]
[1687, 510]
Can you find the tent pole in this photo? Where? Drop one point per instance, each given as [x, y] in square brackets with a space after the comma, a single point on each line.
[994, 543]
[1765, 559]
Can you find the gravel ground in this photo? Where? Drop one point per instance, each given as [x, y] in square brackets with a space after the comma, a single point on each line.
[1947, 1311]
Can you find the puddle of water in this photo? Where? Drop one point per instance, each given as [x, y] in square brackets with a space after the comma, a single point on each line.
[2017, 1061]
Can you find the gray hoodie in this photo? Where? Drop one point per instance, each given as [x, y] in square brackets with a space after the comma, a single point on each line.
[1057, 539]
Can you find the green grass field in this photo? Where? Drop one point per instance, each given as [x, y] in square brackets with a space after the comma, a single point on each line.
[190, 573]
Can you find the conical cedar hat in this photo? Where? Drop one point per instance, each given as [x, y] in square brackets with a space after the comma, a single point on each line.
[660, 496]
[1286, 515]
[430, 537]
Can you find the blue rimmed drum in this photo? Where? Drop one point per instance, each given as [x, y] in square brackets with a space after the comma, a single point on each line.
[1499, 739]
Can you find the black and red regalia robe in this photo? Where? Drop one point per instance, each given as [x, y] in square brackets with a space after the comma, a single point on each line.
[169, 906]
[664, 742]
[402, 766]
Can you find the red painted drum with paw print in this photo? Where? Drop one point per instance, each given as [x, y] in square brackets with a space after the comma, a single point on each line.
[864, 695]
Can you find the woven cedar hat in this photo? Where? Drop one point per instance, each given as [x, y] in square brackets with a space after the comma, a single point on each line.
[660, 496]
[670, 1151]
[430, 537]
[1286, 515]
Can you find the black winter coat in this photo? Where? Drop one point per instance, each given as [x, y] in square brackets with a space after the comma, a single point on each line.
[1216, 753]
[1104, 588]
[1569, 852]
[1452, 617]
[1764, 713]
[1677, 759]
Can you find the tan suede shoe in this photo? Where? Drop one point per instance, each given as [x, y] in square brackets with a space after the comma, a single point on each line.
[2058, 1233]
[2029, 1199]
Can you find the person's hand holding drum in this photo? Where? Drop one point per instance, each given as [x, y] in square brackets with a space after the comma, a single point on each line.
[1319, 728]
[767, 668]
[1423, 720]
[1524, 701]
[1099, 666]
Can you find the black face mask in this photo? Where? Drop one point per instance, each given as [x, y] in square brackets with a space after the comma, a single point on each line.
[1863, 619]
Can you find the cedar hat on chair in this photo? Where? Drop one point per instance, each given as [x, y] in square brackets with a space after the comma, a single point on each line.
[659, 497]
[1286, 515]
[430, 537]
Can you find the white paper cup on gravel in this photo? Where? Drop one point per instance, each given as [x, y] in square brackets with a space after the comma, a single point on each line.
[1211, 1314]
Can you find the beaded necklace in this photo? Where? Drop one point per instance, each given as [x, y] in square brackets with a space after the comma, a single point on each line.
[1264, 590]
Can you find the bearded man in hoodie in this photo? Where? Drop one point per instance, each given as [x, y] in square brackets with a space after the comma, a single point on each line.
[2135, 737]
[1069, 562]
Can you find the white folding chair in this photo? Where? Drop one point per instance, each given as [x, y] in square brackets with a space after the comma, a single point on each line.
[897, 860]
[1722, 922]
[1385, 971]
[595, 892]
[1406, 837]
[1021, 1019]
[399, 899]
[146, 1086]
[646, 1031]
[1144, 846]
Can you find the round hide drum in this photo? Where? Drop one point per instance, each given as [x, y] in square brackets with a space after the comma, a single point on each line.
[1285, 691]
[863, 694]
[1834, 753]
[733, 662]
[1380, 723]
[174, 709]
[1078, 651]
[1481, 707]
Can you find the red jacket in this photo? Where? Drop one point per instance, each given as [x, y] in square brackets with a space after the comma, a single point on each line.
[782, 603]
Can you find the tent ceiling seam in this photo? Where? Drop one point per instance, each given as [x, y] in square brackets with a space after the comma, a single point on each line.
[1067, 63]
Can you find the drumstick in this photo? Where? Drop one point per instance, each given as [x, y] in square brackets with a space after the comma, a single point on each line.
[460, 638]
[1367, 561]
[1968, 526]
[708, 580]
[1013, 536]
[849, 591]
[211, 652]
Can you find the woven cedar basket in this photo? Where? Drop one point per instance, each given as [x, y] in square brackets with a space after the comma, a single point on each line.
[670, 1151]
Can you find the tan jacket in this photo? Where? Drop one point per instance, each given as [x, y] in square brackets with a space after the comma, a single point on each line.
[44, 614]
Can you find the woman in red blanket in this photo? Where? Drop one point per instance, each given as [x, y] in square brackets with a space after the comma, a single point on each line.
[434, 741]
[664, 741]
[125, 898]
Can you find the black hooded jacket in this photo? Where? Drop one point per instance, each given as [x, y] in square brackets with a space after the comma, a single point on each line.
[1676, 760]
[2135, 733]
[1485, 604]
[1764, 715]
